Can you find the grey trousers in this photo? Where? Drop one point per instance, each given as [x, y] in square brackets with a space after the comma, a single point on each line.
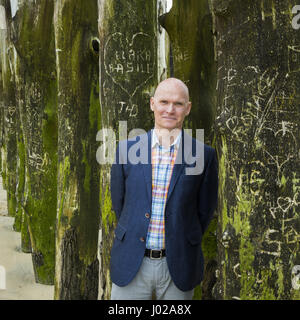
[152, 278]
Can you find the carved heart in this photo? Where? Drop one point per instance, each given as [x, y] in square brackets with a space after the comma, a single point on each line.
[284, 203]
[232, 123]
[129, 63]
[283, 138]
[11, 110]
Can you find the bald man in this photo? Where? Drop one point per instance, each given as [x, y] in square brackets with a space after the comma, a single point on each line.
[162, 211]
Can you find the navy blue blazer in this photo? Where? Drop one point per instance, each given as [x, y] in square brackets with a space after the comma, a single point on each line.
[191, 201]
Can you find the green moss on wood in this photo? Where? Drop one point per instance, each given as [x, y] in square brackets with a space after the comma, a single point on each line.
[108, 216]
[25, 236]
[42, 234]
[87, 168]
[3, 171]
[20, 179]
[94, 111]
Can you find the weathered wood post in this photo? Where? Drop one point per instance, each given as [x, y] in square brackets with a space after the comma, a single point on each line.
[189, 25]
[20, 223]
[21, 219]
[20, 171]
[10, 121]
[128, 34]
[36, 71]
[3, 31]
[258, 57]
[78, 214]
[9, 107]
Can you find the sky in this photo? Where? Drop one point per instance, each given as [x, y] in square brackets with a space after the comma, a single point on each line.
[169, 4]
[14, 5]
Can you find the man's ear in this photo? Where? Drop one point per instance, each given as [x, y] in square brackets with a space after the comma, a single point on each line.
[151, 103]
[188, 108]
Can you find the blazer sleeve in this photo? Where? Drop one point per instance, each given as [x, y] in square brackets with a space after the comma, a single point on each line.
[208, 195]
[117, 185]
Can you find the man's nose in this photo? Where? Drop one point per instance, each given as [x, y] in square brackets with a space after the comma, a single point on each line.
[170, 107]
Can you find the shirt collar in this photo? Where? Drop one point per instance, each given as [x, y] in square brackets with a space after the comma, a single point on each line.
[155, 140]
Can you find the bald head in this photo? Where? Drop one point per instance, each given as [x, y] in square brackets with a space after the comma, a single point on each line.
[175, 83]
[170, 104]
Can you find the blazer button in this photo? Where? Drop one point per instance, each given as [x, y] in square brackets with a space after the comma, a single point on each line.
[142, 239]
[147, 215]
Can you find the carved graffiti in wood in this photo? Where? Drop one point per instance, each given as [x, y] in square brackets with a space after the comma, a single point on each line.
[129, 61]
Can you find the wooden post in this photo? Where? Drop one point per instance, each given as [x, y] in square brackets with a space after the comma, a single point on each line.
[9, 107]
[36, 73]
[258, 57]
[78, 215]
[128, 34]
[189, 25]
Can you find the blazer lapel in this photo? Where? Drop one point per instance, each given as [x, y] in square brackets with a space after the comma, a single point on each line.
[177, 169]
[179, 164]
[147, 168]
[175, 175]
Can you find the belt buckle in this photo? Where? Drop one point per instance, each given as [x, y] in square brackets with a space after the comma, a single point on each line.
[151, 257]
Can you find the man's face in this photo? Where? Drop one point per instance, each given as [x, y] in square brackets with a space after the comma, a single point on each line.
[170, 105]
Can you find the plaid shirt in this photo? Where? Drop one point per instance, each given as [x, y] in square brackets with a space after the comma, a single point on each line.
[162, 166]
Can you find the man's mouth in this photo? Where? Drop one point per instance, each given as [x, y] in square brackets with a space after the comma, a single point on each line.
[169, 118]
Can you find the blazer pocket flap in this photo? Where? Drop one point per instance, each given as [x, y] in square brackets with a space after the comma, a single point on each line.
[194, 237]
[120, 232]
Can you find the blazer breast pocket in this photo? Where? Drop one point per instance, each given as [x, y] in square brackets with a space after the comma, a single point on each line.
[190, 179]
[189, 176]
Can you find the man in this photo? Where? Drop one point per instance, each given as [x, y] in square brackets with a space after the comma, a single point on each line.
[162, 211]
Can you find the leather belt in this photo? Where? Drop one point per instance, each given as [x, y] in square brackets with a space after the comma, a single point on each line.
[155, 254]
